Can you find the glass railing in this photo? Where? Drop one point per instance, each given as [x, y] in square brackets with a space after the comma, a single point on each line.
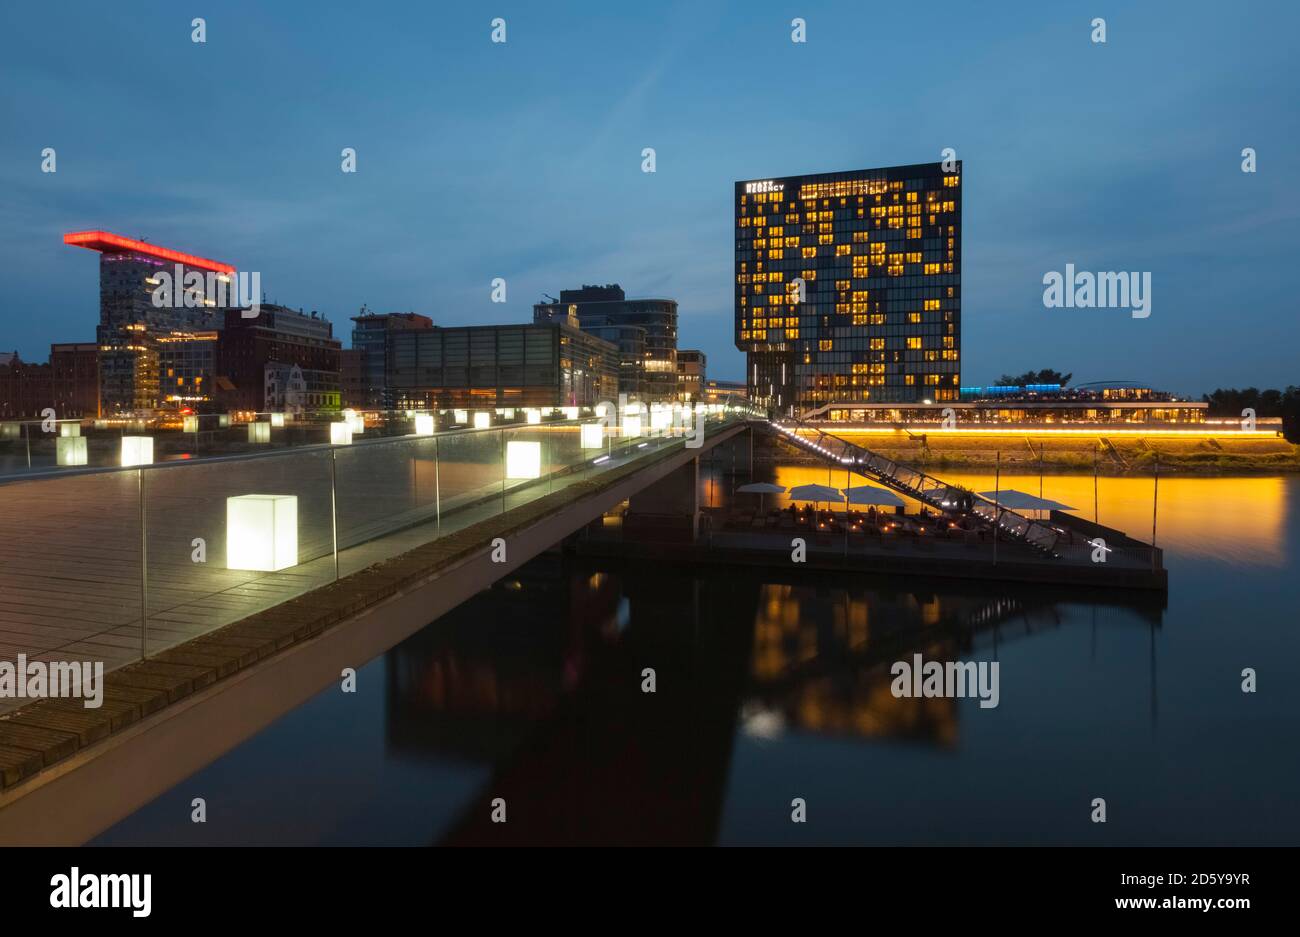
[116, 564]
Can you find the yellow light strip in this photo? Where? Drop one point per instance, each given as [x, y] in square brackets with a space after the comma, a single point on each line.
[1011, 431]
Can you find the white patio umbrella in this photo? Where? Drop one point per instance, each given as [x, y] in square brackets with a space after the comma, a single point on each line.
[815, 493]
[870, 494]
[762, 489]
[1021, 501]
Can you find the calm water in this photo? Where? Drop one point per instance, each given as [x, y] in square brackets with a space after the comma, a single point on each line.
[771, 688]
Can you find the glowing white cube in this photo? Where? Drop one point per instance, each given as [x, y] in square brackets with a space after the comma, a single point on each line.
[593, 435]
[262, 532]
[259, 432]
[534, 416]
[570, 413]
[508, 413]
[482, 420]
[223, 420]
[137, 450]
[424, 424]
[631, 425]
[600, 409]
[661, 418]
[341, 434]
[72, 450]
[277, 420]
[523, 459]
[357, 424]
[11, 430]
[190, 424]
[461, 416]
[69, 429]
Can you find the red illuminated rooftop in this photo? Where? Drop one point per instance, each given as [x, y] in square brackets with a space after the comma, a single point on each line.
[108, 243]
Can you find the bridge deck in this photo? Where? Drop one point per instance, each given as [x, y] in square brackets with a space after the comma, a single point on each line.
[70, 546]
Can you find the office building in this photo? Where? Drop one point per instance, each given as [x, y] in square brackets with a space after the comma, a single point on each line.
[68, 383]
[490, 366]
[131, 321]
[370, 338]
[644, 330]
[691, 364]
[848, 287]
[282, 359]
[74, 368]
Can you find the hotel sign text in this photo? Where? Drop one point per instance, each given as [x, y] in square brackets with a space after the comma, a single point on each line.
[767, 186]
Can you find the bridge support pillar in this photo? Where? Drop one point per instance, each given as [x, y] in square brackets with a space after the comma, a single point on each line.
[667, 511]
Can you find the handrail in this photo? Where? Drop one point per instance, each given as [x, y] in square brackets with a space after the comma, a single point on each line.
[923, 487]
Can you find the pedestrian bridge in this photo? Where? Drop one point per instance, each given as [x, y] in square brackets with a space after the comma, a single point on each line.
[147, 570]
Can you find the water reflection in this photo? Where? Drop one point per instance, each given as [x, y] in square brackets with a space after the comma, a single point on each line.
[539, 681]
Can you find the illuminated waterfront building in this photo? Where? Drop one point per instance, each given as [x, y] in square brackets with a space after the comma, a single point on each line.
[282, 359]
[130, 323]
[186, 362]
[645, 331]
[848, 287]
[490, 366]
[691, 365]
[370, 340]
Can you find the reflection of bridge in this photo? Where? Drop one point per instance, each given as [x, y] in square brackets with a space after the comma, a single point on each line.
[102, 565]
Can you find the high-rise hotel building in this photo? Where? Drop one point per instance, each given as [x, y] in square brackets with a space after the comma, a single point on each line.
[848, 287]
[141, 344]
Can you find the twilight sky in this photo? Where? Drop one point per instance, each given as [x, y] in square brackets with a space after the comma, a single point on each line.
[522, 160]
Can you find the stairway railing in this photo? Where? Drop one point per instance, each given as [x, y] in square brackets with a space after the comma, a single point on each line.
[918, 485]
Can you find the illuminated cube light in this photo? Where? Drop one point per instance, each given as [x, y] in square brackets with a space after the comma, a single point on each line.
[523, 459]
[631, 425]
[508, 413]
[262, 532]
[534, 416]
[482, 420]
[600, 409]
[424, 424]
[356, 422]
[461, 416]
[661, 418]
[259, 432]
[277, 420]
[71, 450]
[137, 450]
[341, 434]
[223, 420]
[11, 430]
[570, 413]
[593, 435]
[69, 429]
[190, 424]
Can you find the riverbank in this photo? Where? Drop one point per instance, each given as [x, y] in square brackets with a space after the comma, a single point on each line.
[1030, 454]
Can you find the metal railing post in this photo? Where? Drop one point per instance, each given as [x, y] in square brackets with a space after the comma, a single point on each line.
[144, 570]
[334, 509]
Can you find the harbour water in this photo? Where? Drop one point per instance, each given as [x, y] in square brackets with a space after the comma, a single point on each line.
[774, 687]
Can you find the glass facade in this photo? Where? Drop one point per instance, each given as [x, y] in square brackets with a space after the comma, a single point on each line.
[848, 287]
[645, 331]
[132, 378]
[500, 366]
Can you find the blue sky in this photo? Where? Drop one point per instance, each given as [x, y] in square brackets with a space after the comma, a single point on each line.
[523, 160]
